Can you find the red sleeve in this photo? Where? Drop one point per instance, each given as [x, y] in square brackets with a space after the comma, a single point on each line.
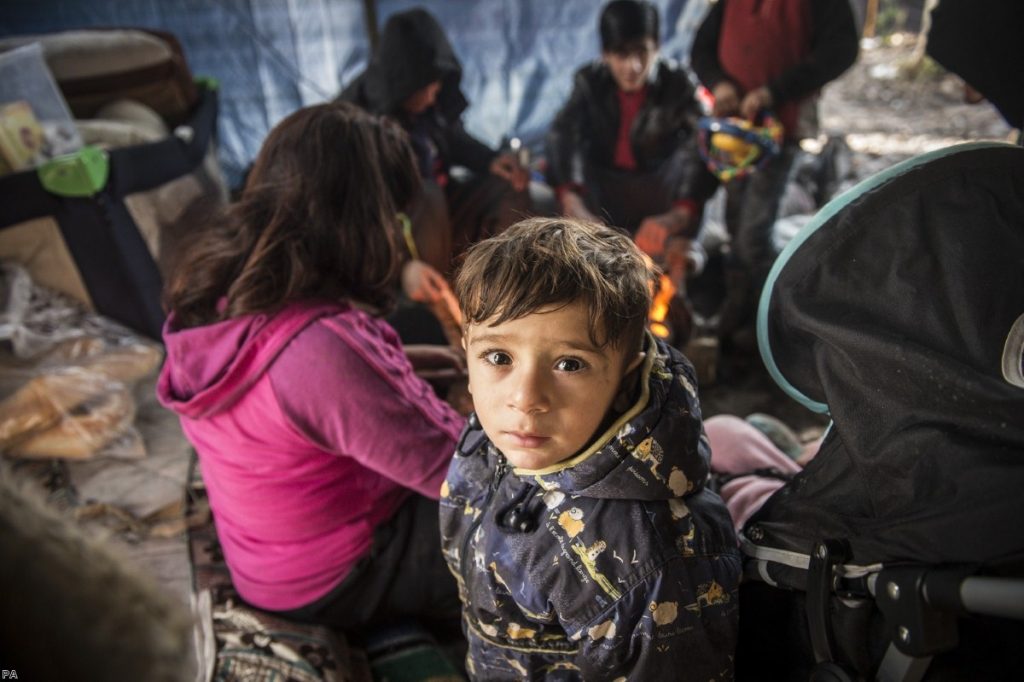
[689, 204]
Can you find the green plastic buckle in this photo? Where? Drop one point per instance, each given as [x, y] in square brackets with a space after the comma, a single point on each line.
[208, 82]
[81, 174]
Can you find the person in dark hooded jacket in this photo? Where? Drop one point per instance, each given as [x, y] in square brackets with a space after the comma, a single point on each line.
[575, 515]
[413, 77]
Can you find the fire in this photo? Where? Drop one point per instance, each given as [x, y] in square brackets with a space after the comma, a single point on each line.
[662, 294]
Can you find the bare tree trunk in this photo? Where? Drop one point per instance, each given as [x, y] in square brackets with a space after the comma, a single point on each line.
[922, 38]
[870, 19]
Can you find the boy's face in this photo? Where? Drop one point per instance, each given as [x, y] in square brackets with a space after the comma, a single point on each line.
[631, 66]
[540, 387]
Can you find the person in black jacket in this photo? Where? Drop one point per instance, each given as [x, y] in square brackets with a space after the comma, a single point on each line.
[413, 76]
[623, 147]
[754, 57]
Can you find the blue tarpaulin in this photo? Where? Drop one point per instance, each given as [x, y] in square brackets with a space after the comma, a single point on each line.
[272, 57]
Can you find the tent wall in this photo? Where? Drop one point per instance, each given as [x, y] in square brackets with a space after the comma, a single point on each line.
[272, 57]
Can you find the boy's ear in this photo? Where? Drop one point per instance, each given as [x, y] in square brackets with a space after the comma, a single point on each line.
[462, 340]
[635, 362]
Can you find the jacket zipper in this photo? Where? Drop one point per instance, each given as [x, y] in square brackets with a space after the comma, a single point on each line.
[499, 473]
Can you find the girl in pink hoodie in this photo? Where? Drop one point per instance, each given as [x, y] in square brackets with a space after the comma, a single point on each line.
[322, 452]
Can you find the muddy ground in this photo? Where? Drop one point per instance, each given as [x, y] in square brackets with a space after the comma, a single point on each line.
[889, 106]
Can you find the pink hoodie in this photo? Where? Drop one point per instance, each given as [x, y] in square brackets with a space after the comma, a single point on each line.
[311, 429]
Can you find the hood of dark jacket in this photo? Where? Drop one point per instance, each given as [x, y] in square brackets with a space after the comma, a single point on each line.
[208, 368]
[655, 449]
[413, 52]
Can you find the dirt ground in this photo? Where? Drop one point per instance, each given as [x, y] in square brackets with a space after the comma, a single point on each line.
[888, 110]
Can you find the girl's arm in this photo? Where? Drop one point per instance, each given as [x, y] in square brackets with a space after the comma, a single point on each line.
[346, 384]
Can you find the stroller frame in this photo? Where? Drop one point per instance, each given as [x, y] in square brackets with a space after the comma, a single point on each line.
[835, 308]
[920, 604]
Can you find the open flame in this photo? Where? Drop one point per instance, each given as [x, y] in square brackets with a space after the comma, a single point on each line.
[662, 292]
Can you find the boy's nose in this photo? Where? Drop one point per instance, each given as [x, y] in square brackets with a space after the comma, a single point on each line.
[528, 395]
[636, 64]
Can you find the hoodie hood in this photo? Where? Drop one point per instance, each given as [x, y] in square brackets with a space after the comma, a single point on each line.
[654, 450]
[413, 52]
[208, 368]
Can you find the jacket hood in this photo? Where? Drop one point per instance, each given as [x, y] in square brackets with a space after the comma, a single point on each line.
[208, 368]
[654, 450]
[412, 53]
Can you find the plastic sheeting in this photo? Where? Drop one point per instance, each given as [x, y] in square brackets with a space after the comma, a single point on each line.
[273, 56]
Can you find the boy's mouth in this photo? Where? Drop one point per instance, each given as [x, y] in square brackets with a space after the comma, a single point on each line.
[527, 440]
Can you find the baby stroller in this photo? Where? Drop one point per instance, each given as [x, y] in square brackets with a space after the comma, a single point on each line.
[898, 552]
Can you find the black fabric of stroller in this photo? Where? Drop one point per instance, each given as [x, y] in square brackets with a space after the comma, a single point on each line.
[891, 311]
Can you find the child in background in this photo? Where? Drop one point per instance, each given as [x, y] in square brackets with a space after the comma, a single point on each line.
[574, 515]
[624, 145]
[321, 450]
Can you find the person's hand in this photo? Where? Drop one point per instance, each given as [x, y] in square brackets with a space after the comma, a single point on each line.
[422, 283]
[437, 363]
[754, 102]
[507, 166]
[677, 261]
[654, 230]
[727, 99]
[573, 206]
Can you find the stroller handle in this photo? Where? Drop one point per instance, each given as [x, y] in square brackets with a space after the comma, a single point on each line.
[1002, 597]
[979, 595]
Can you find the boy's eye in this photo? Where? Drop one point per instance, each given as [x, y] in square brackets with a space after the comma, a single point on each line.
[497, 357]
[570, 365]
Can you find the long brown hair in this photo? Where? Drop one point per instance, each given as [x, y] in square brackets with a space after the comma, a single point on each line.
[316, 220]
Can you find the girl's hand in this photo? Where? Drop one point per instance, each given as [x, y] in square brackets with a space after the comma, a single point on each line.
[422, 283]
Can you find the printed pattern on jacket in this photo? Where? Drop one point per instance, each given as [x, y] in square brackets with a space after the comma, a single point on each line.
[616, 565]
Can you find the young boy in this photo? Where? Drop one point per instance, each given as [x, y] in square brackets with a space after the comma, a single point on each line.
[623, 146]
[574, 515]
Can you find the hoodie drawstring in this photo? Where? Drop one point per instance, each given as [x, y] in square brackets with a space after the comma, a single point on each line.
[519, 515]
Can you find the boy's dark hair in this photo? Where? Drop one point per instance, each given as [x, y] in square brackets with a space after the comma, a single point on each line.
[626, 23]
[317, 219]
[541, 262]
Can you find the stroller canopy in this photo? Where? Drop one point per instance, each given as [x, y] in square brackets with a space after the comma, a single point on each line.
[899, 310]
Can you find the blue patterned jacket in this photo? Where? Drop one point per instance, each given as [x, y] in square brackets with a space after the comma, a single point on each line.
[616, 564]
